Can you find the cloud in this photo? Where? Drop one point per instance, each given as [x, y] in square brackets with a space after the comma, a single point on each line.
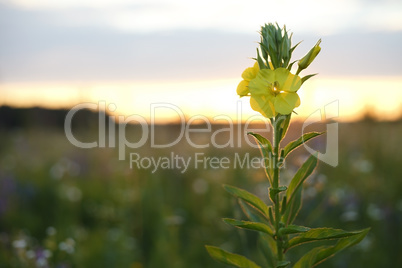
[38, 45]
[310, 16]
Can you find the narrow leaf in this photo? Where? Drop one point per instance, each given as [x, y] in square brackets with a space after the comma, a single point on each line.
[284, 125]
[282, 264]
[294, 192]
[252, 213]
[230, 258]
[293, 207]
[305, 78]
[264, 50]
[294, 144]
[262, 142]
[283, 207]
[266, 151]
[271, 216]
[320, 254]
[260, 61]
[301, 175]
[293, 48]
[291, 65]
[319, 234]
[249, 198]
[274, 191]
[256, 226]
[292, 229]
[268, 246]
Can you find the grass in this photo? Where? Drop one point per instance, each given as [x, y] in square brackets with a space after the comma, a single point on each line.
[71, 207]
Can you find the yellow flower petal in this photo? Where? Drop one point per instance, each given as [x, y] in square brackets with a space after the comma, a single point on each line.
[242, 88]
[263, 82]
[285, 102]
[251, 72]
[263, 105]
[287, 81]
[298, 102]
[271, 91]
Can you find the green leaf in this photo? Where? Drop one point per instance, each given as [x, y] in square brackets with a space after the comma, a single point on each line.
[319, 234]
[293, 207]
[268, 248]
[292, 229]
[282, 264]
[320, 254]
[274, 191]
[262, 142]
[301, 175]
[291, 65]
[294, 144]
[230, 258]
[284, 203]
[249, 198]
[260, 61]
[256, 226]
[271, 216]
[266, 151]
[293, 48]
[284, 124]
[264, 49]
[305, 78]
[252, 213]
[293, 194]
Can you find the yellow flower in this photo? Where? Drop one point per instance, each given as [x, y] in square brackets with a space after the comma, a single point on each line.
[248, 74]
[274, 91]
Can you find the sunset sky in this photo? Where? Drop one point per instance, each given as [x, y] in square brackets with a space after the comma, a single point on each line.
[191, 53]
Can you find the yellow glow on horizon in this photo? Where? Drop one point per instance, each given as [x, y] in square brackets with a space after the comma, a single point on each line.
[210, 98]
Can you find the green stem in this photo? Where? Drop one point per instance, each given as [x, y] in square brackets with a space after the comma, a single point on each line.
[276, 140]
[298, 71]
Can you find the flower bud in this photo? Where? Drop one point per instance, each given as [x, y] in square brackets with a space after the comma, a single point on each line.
[310, 56]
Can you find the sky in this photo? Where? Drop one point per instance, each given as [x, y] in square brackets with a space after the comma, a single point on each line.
[191, 53]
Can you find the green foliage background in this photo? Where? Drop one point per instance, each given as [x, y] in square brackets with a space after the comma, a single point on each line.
[122, 217]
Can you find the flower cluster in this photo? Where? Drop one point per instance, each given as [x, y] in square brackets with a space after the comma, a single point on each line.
[269, 83]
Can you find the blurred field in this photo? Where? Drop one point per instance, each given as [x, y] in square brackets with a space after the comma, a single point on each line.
[62, 206]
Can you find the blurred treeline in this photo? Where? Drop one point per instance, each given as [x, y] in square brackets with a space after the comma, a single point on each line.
[62, 206]
[36, 117]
